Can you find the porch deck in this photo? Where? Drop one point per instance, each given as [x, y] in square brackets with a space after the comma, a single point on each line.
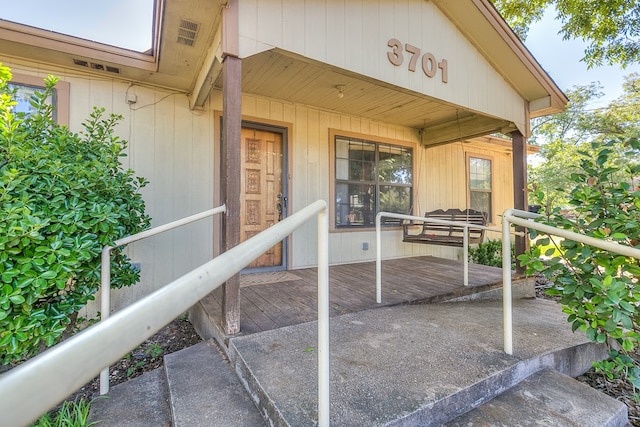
[292, 299]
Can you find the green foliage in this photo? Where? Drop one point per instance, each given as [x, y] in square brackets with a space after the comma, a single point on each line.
[63, 196]
[70, 414]
[609, 27]
[598, 289]
[563, 136]
[489, 253]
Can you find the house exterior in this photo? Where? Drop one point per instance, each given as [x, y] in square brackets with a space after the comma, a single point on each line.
[369, 105]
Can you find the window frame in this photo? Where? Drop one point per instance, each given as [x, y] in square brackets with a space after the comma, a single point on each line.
[60, 99]
[491, 192]
[333, 133]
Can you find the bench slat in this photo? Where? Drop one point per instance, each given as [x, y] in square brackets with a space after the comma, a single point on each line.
[446, 234]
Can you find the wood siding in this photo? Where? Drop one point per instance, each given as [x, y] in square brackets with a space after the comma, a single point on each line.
[173, 147]
[354, 35]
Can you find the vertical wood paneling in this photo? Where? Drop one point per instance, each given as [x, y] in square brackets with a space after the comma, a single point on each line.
[354, 35]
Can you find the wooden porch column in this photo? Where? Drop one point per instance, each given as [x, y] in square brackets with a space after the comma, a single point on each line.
[519, 144]
[230, 161]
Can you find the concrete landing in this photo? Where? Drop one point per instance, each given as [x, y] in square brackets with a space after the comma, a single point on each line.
[409, 365]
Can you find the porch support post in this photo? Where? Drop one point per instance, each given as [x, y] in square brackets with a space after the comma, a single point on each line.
[519, 144]
[230, 162]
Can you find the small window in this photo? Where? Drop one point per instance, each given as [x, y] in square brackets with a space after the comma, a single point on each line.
[480, 186]
[26, 86]
[371, 177]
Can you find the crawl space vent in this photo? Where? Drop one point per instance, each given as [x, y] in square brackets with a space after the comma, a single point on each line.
[187, 32]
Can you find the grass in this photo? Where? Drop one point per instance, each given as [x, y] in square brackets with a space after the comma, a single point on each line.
[71, 414]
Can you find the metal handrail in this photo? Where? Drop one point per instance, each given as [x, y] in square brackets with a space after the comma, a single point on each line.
[523, 219]
[105, 273]
[465, 243]
[38, 384]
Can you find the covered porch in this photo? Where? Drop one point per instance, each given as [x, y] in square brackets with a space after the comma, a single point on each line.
[277, 299]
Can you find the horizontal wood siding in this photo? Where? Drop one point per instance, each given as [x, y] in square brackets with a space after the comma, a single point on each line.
[353, 35]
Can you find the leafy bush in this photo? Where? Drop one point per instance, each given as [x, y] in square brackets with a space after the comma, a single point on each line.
[489, 253]
[63, 196]
[598, 289]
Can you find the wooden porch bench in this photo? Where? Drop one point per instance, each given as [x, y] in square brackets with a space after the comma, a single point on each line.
[446, 234]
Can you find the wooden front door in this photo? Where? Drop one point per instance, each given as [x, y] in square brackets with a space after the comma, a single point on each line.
[263, 199]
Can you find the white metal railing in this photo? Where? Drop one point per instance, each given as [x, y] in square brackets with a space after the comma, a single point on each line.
[105, 274]
[38, 384]
[465, 243]
[523, 219]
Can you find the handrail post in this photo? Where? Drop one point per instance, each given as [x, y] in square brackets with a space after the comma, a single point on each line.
[465, 254]
[323, 318]
[506, 286]
[378, 260]
[105, 306]
[105, 268]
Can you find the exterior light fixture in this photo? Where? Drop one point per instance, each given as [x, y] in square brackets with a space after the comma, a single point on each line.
[340, 91]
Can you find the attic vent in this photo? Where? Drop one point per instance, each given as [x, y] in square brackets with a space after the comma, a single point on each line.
[187, 32]
[96, 66]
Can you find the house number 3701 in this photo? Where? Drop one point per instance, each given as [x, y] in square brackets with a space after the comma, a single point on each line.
[430, 65]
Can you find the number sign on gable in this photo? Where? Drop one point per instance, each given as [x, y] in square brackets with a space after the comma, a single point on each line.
[430, 65]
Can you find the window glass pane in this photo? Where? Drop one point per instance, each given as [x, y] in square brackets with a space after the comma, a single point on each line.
[342, 169]
[342, 204]
[479, 173]
[395, 199]
[23, 96]
[395, 165]
[342, 148]
[481, 201]
[359, 209]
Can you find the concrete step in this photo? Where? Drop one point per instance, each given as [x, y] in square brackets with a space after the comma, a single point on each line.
[547, 398]
[205, 392]
[417, 365]
[196, 387]
[140, 402]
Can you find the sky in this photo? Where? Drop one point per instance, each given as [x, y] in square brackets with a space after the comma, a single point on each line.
[561, 60]
[125, 23]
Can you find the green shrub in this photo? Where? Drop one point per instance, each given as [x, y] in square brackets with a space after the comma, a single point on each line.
[489, 253]
[63, 196]
[598, 289]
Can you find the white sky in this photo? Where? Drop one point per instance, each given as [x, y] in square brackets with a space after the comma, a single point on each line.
[124, 23]
[561, 59]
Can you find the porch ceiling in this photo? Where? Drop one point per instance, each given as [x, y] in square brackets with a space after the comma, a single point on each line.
[292, 78]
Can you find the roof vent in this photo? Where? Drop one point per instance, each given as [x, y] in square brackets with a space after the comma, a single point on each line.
[187, 32]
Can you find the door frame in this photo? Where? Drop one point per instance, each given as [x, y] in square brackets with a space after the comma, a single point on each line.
[283, 131]
[265, 125]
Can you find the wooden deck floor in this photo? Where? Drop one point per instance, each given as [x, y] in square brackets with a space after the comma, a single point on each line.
[352, 288]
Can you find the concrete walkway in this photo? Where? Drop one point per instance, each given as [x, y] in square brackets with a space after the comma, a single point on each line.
[411, 365]
[415, 365]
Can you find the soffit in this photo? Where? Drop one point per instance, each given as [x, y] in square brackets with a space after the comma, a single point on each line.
[295, 79]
